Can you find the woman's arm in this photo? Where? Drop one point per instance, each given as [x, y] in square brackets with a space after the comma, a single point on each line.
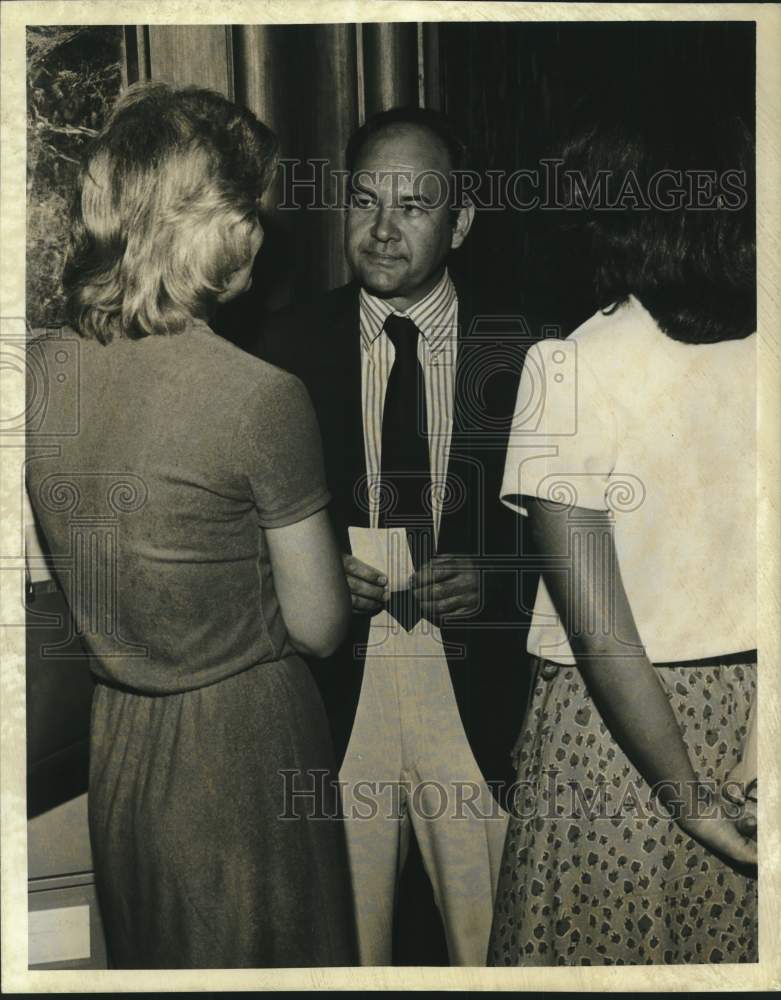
[589, 595]
[310, 584]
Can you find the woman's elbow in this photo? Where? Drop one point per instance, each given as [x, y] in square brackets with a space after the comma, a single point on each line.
[323, 640]
[318, 647]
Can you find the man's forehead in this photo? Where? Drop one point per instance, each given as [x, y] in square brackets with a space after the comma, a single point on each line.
[404, 148]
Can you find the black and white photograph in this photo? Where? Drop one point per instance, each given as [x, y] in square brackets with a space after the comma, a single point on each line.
[390, 469]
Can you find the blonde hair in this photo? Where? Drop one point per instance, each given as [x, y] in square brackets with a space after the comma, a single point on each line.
[164, 211]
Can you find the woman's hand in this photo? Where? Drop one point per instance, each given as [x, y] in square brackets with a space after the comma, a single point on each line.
[744, 797]
[747, 823]
[741, 784]
[620, 677]
[722, 836]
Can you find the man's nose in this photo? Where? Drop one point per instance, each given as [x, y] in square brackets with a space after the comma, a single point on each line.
[384, 228]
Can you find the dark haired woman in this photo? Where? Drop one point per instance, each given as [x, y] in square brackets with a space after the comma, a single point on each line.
[203, 466]
[634, 460]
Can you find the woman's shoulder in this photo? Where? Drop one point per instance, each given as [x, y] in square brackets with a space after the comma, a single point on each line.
[605, 339]
[623, 325]
[620, 345]
[610, 336]
[244, 372]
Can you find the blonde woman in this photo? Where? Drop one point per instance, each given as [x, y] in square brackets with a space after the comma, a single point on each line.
[221, 568]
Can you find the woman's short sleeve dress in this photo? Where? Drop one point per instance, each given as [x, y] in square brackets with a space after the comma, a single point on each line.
[155, 469]
[620, 418]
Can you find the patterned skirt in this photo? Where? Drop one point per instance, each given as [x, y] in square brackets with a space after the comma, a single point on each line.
[593, 871]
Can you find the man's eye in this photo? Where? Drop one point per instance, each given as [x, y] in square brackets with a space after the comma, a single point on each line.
[362, 201]
[414, 210]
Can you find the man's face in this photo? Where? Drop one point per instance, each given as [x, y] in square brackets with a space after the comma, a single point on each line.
[399, 224]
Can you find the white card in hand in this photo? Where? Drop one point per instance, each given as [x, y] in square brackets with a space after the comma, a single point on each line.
[387, 550]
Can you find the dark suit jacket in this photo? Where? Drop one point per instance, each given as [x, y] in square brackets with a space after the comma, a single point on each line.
[320, 343]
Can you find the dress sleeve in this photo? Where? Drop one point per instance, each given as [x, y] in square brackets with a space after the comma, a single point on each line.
[279, 448]
[562, 444]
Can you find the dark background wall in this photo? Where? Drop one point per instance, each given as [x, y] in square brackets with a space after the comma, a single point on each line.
[510, 87]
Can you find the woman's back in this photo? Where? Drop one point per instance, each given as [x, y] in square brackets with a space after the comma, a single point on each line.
[152, 504]
[180, 488]
[661, 433]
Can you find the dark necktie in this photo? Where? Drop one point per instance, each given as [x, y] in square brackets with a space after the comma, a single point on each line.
[405, 475]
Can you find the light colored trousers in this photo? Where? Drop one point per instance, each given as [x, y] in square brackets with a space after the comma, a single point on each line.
[409, 765]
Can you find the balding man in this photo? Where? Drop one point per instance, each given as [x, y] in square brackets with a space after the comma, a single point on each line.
[414, 402]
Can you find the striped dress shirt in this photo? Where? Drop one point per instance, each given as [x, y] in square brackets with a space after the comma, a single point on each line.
[436, 317]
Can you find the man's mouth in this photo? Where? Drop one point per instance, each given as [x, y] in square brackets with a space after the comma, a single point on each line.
[385, 259]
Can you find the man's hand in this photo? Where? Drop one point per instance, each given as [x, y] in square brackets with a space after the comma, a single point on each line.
[368, 586]
[447, 586]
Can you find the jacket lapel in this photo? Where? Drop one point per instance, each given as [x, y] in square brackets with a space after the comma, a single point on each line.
[463, 479]
[341, 411]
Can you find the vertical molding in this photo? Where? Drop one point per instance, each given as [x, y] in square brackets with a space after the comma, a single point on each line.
[261, 58]
[128, 63]
[192, 54]
[360, 75]
[135, 54]
[390, 65]
[421, 67]
[144, 60]
[334, 118]
[256, 72]
[432, 67]
[230, 93]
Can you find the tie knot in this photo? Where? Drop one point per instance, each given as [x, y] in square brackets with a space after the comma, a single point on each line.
[403, 335]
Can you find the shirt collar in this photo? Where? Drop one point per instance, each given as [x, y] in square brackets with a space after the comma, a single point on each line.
[431, 314]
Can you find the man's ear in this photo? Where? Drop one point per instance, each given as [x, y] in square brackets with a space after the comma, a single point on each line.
[463, 224]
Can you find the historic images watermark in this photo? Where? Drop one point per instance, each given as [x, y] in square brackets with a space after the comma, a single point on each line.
[317, 184]
[547, 798]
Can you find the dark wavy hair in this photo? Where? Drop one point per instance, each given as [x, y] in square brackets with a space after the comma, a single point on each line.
[164, 210]
[693, 268]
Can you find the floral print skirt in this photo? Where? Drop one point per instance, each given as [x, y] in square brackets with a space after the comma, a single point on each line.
[594, 872]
